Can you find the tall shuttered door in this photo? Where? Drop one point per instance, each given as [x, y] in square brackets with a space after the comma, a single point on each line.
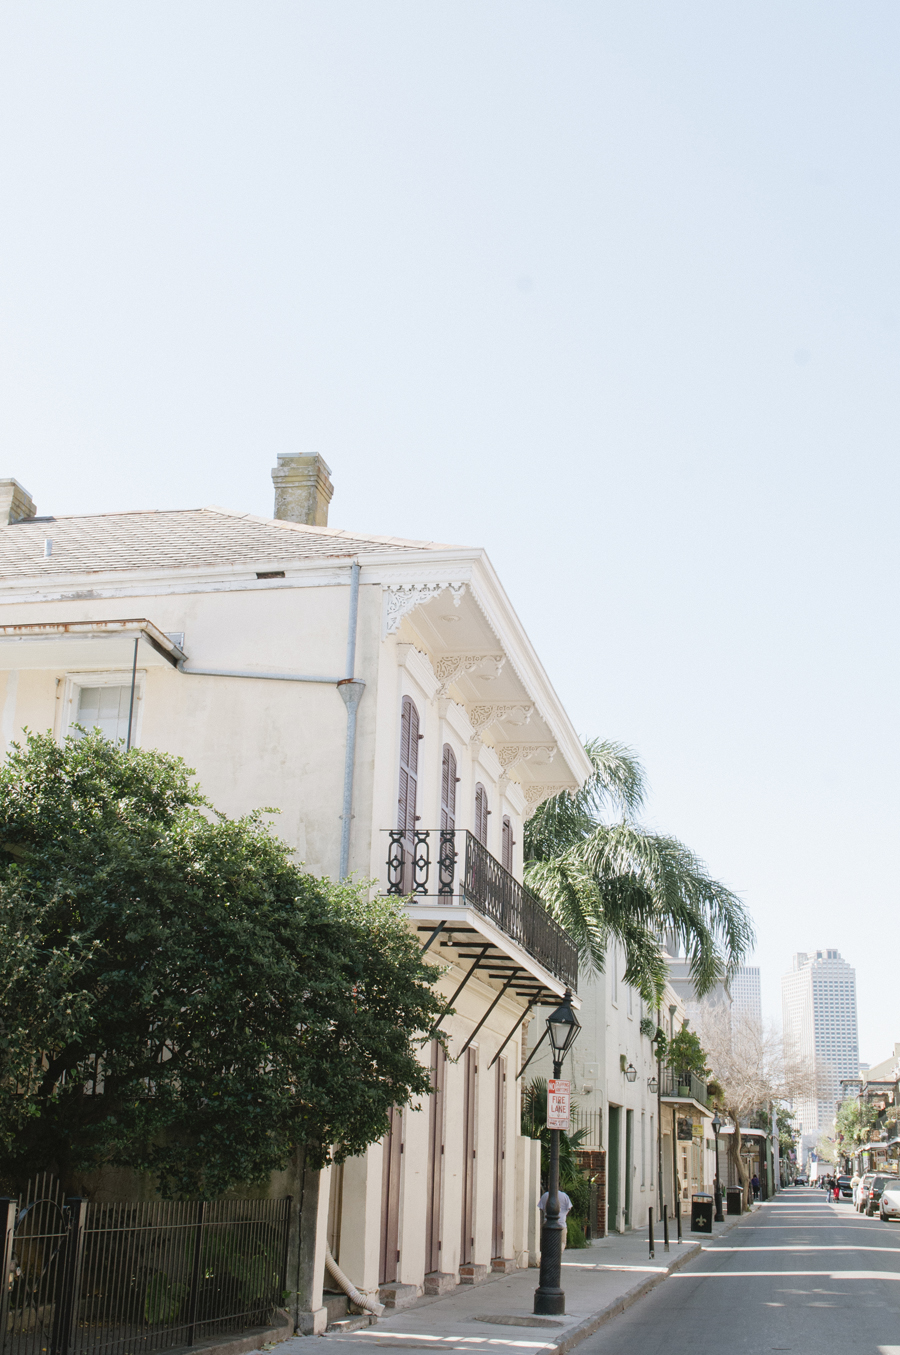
[390, 1200]
[497, 1248]
[448, 788]
[435, 1158]
[508, 844]
[481, 814]
[408, 785]
[467, 1231]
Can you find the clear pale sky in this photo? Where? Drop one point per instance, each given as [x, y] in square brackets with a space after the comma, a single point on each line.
[608, 288]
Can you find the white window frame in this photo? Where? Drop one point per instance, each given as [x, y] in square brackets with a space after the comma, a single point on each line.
[74, 682]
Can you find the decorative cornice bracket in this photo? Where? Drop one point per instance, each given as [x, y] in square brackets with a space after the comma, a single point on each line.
[452, 666]
[402, 598]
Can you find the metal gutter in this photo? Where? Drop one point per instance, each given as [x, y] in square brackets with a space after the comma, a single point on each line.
[136, 625]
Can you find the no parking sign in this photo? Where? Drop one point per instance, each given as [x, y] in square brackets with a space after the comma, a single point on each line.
[558, 1096]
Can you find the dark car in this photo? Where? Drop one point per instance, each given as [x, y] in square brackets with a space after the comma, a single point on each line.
[845, 1187]
[875, 1189]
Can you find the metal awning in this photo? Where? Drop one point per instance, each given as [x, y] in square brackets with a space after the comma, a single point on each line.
[687, 1101]
[86, 644]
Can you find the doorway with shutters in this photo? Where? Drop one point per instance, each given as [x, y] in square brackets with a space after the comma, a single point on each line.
[390, 1200]
[467, 1229]
[408, 787]
[435, 1176]
[499, 1156]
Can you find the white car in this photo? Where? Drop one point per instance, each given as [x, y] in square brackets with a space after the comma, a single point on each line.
[889, 1204]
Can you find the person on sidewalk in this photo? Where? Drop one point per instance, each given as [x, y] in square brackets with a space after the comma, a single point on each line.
[565, 1204]
[854, 1184]
[754, 1185]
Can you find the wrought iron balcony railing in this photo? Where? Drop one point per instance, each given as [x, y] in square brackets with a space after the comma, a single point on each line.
[673, 1083]
[425, 864]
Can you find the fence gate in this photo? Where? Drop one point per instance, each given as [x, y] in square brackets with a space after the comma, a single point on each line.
[129, 1279]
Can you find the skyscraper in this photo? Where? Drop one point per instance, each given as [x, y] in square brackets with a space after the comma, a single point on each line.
[819, 1003]
[745, 993]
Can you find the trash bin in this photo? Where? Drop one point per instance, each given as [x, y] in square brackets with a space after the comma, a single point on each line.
[734, 1200]
[701, 1213]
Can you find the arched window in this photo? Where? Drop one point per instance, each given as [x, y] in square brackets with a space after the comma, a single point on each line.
[508, 844]
[481, 814]
[448, 788]
[409, 767]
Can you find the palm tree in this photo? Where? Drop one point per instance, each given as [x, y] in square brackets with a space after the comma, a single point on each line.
[605, 879]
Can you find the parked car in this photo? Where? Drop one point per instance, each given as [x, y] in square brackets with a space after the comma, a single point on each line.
[874, 1198]
[862, 1192]
[845, 1187]
[801, 1179]
[889, 1204]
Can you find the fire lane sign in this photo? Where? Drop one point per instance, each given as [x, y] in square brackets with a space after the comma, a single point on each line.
[558, 1097]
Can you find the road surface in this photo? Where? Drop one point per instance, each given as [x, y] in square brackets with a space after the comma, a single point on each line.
[802, 1275]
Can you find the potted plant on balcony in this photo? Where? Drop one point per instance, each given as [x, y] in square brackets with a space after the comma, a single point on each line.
[687, 1056]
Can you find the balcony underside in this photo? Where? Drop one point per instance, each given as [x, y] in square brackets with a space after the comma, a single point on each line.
[462, 935]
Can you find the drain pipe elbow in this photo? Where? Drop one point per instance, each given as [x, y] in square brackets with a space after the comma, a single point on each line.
[360, 1300]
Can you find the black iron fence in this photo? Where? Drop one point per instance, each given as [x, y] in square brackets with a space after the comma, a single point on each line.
[425, 864]
[128, 1279]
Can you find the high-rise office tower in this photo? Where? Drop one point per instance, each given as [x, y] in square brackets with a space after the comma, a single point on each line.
[819, 1003]
[745, 993]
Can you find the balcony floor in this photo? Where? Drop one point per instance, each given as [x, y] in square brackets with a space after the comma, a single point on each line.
[464, 935]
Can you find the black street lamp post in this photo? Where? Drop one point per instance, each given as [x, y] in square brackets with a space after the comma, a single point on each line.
[716, 1126]
[549, 1299]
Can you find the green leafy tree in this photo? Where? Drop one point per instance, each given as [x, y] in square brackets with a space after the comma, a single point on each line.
[686, 1054]
[853, 1126]
[177, 995]
[607, 879]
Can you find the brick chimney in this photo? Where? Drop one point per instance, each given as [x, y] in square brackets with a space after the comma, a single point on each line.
[15, 502]
[303, 489]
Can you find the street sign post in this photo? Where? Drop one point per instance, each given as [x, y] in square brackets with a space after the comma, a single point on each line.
[559, 1094]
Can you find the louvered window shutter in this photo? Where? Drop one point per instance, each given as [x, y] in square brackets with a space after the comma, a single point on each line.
[448, 788]
[409, 766]
[481, 814]
[507, 844]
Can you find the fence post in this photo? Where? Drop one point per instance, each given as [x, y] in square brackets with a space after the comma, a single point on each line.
[195, 1273]
[652, 1248]
[66, 1315]
[665, 1227]
[7, 1223]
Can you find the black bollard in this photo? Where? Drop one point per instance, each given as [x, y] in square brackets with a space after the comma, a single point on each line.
[665, 1227]
[652, 1248]
[678, 1219]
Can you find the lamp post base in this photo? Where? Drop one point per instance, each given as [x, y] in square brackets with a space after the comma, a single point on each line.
[549, 1302]
[718, 1217]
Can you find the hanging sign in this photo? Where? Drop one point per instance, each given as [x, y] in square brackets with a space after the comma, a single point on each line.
[558, 1094]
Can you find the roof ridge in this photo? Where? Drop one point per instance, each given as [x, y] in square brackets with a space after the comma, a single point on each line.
[346, 532]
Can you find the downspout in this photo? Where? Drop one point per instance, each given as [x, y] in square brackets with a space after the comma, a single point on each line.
[360, 1300]
[351, 690]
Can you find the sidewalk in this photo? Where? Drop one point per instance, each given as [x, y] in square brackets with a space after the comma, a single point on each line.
[599, 1281]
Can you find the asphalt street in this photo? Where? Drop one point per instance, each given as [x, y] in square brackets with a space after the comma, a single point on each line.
[801, 1275]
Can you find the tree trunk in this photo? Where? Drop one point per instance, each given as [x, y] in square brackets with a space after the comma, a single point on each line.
[734, 1152]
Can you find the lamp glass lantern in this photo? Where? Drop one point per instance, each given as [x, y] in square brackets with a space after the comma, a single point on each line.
[653, 1086]
[630, 1073]
[562, 1028]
